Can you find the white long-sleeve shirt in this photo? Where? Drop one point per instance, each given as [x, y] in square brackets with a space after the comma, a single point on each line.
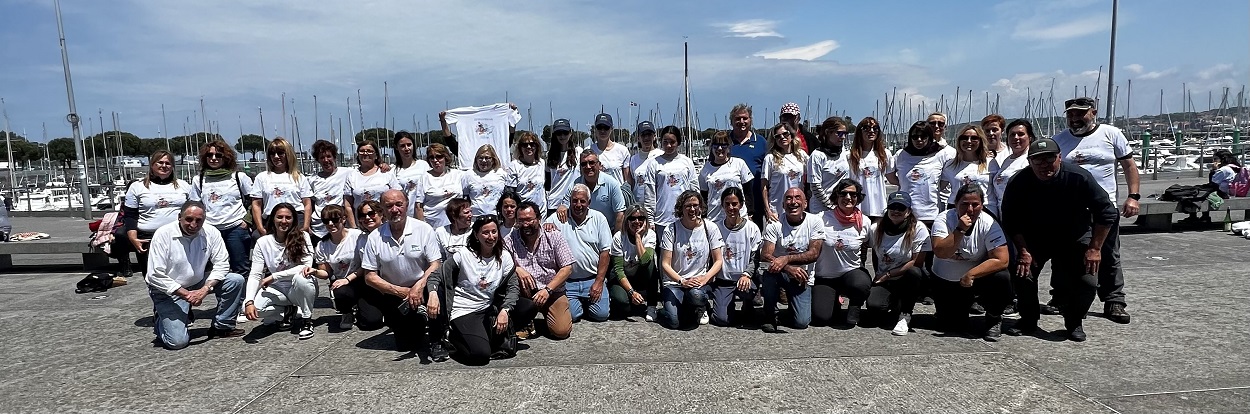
[178, 261]
[269, 256]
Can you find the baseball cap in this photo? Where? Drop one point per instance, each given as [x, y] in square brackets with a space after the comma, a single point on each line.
[644, 126]
[1043, 146]
[561, 125]
[790, 108]
[899, 197]
[1082, 103]
[603, 119]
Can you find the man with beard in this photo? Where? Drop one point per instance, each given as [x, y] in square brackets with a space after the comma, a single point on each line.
[589, 239]
[1056, 213]
[1098, 148]
[752, 148]
[544, 261]
[792, 118]
[791, 247]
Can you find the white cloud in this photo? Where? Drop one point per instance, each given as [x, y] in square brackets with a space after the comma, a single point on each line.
[809, 52]
[1156, 74]
[1135, 68]
[1032, 29]
[752, 28]
[1214, 71]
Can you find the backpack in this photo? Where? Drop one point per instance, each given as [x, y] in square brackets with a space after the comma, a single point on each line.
[95, 282]
[1240, 186]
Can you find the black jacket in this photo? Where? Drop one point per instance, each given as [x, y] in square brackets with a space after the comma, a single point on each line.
[1056, 212]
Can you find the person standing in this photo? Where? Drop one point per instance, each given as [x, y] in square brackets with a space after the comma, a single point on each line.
[645, 134]
[1056, 212]
[328, 186]
[722, 172]
[1098, 148]
[561, 164]
[827, 165]
[367, 182]
[485, 182]
[869, 162]
[751, 148]
[666, 177]
[1019, 135]
[182, 252]
[783, 170]
[606, 195]
[153, 202]
[918, 171]
[613, 156]
[281, 183]
[441, 184]
[223, 190]
[408, 168]
[971, 163]
[526, 174]
[791, 116]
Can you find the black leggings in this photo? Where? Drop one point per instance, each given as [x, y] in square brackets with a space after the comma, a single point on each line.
[854, 284]
[347, 300]
[901, 290]
[951, 300]
[474, 336]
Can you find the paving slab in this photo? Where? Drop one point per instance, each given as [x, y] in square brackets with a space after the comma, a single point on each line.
[1206, 401]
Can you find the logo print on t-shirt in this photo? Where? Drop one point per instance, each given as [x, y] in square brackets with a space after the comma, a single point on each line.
[792, 248]
[671, 181]
[162, 202]
[485, 191]
[412, 185]
[689, 253]
[729, 253]
[213, 197]
[887, 259]
[277, 192]
[327, 199]
[719, 184]
[342, 265]
[839, 245]
[793, 174]
[482, 129]
[867, 173]
[999, 179]
[1079, 158]
[966, 180]
[368, 196]
[915, 174]
[529, 186]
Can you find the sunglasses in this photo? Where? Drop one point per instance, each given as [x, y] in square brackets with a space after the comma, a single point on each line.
[603, 128]
[783, 134]
[528, 145]
[212, 155]
[851, 194]
[937, 123]
[369, 214]
[589, 163]
[637, 218]
[873, 128]
[335, 220]
[438, 157]
[969, 137]
[720, 146]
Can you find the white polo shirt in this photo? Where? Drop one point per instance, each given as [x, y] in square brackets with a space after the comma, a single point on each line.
[401, 260]
[586, 240]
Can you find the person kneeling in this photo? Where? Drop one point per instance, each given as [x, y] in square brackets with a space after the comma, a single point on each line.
[480, 285]
[971, 252]
[690, 257]
[281, 277]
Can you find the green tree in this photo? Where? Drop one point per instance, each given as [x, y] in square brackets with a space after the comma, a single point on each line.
[130, 144]
[251, 144]
[23, 150]
[381, 136]
[62, 150]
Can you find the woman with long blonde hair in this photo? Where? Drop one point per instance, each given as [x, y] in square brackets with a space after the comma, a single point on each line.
[281, 183]
[971, 164]
[784, 168]
[486, 182]
[153, 202]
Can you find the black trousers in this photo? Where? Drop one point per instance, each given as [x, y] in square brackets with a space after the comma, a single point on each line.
[1110, 272]
[951, 300]
[1073, 288]
[347, 300]
[474, 336]
[901, 290]
[410, 328]
[854, 284]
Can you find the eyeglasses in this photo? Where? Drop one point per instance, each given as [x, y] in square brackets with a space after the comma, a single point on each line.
[637, 218]
[969, 137]
[871, 128]
[783, 134]
[692, 206]
[486, 158]
[842, 134]
[851, 194]
[937, 123]
[212, 155]
[589, 163]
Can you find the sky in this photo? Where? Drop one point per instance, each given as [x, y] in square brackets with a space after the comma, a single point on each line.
[569, 58]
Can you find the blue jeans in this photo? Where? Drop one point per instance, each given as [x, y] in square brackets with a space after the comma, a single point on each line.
[675, 297]
[172, 311]
[239, 246]
[578, 291]
[800, 299]
[723, 294]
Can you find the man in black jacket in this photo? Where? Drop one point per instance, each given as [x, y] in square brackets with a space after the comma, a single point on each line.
[1056, 212]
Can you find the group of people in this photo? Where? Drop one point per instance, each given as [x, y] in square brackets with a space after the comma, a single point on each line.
[460, 262]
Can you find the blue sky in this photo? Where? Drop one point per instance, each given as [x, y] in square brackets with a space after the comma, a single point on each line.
[133, 56]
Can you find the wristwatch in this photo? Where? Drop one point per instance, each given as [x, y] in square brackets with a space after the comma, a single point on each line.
[1134, 196]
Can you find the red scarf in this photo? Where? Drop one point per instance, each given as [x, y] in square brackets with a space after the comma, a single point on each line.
[856, 217]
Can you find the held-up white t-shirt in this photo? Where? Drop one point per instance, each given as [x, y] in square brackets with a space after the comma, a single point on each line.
[840, 254]
[613, 160]
[1097, 152]
[273, 189]
[715, 179]
[973, 250]
[691, 249]
[339, 256]
[364, 188]
[1001, 171]
[781, 178]
[476, 126]
[528, 181]
[872, 176]
[223, 199]
[410, 180]
[791, 239]
[483, 189]
[961, 173]
[478, 280]
[325, 192]
[437, 194]
[740, 244]
[668, 179]
[920, 178]
[892, 253]
[822, 174]
[158, 204]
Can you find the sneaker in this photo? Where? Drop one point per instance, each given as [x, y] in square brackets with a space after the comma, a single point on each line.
[439, 352]
[1051, 308]
[1021, 328]
[704, 319]
[346, 320]
[1076, 334]
[287, 314]
[901, 328]
[214, 332]
[241, 319]
[927, 301]
[650, 314]
[769, 328]
[977, 309]
[994, 332]
[852, 316]
[1115, 312]
[1010, 312]
[305, 328]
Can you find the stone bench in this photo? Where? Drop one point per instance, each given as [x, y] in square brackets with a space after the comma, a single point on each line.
[1157, 215]
[92, 258]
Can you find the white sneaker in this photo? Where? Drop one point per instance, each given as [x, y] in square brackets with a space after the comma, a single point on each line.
[901, 328]
[305, 329]
[241, 319]
[650, 314]
[346, 320]
[703, 320]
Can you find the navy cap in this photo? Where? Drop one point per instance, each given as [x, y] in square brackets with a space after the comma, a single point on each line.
[1043, 146]
[899, 197]
[561, 125]
[644, 126]
[603, 119]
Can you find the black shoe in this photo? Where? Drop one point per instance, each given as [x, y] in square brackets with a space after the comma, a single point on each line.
[770, 327]
[439, 352]
[977, 309]
[852, 316]
[1021, 328]
[287, 314]
[994, 332]
[224, 333]
[304, 328]
[1051, 308]
[1010, 312]
[927, 301]
[1076, 334]
[1115, 312]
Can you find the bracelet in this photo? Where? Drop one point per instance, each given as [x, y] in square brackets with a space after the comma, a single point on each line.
[631, 291]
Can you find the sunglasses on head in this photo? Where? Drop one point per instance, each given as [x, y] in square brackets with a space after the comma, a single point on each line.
[486, 218]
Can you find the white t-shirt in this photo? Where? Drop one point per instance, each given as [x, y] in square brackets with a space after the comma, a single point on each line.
[1001, 171]
[339, 256]
[484, 189]
[477, 282]
[480, 125]
[715, 179]
[273, 189]
[1097, 152]
[410, 180]
[691, 249]
[840, 254]
[586, 240]
[1223, 177]
[562, 179]
[269, 258]
[668, 179]
[740, 244]
[437, 194]
[223, 199]
[789, 239]
[872, 176]
[891, 253]
[823, 173]
[613, 160]
[451, 243]
[636, 161]
[781, 178]
[961, 173]
[528, 181]
[973, 249]
[402, 260]
[920, 178]
[325, 192]
[364, 188]
[158, 204]
[624, 248]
